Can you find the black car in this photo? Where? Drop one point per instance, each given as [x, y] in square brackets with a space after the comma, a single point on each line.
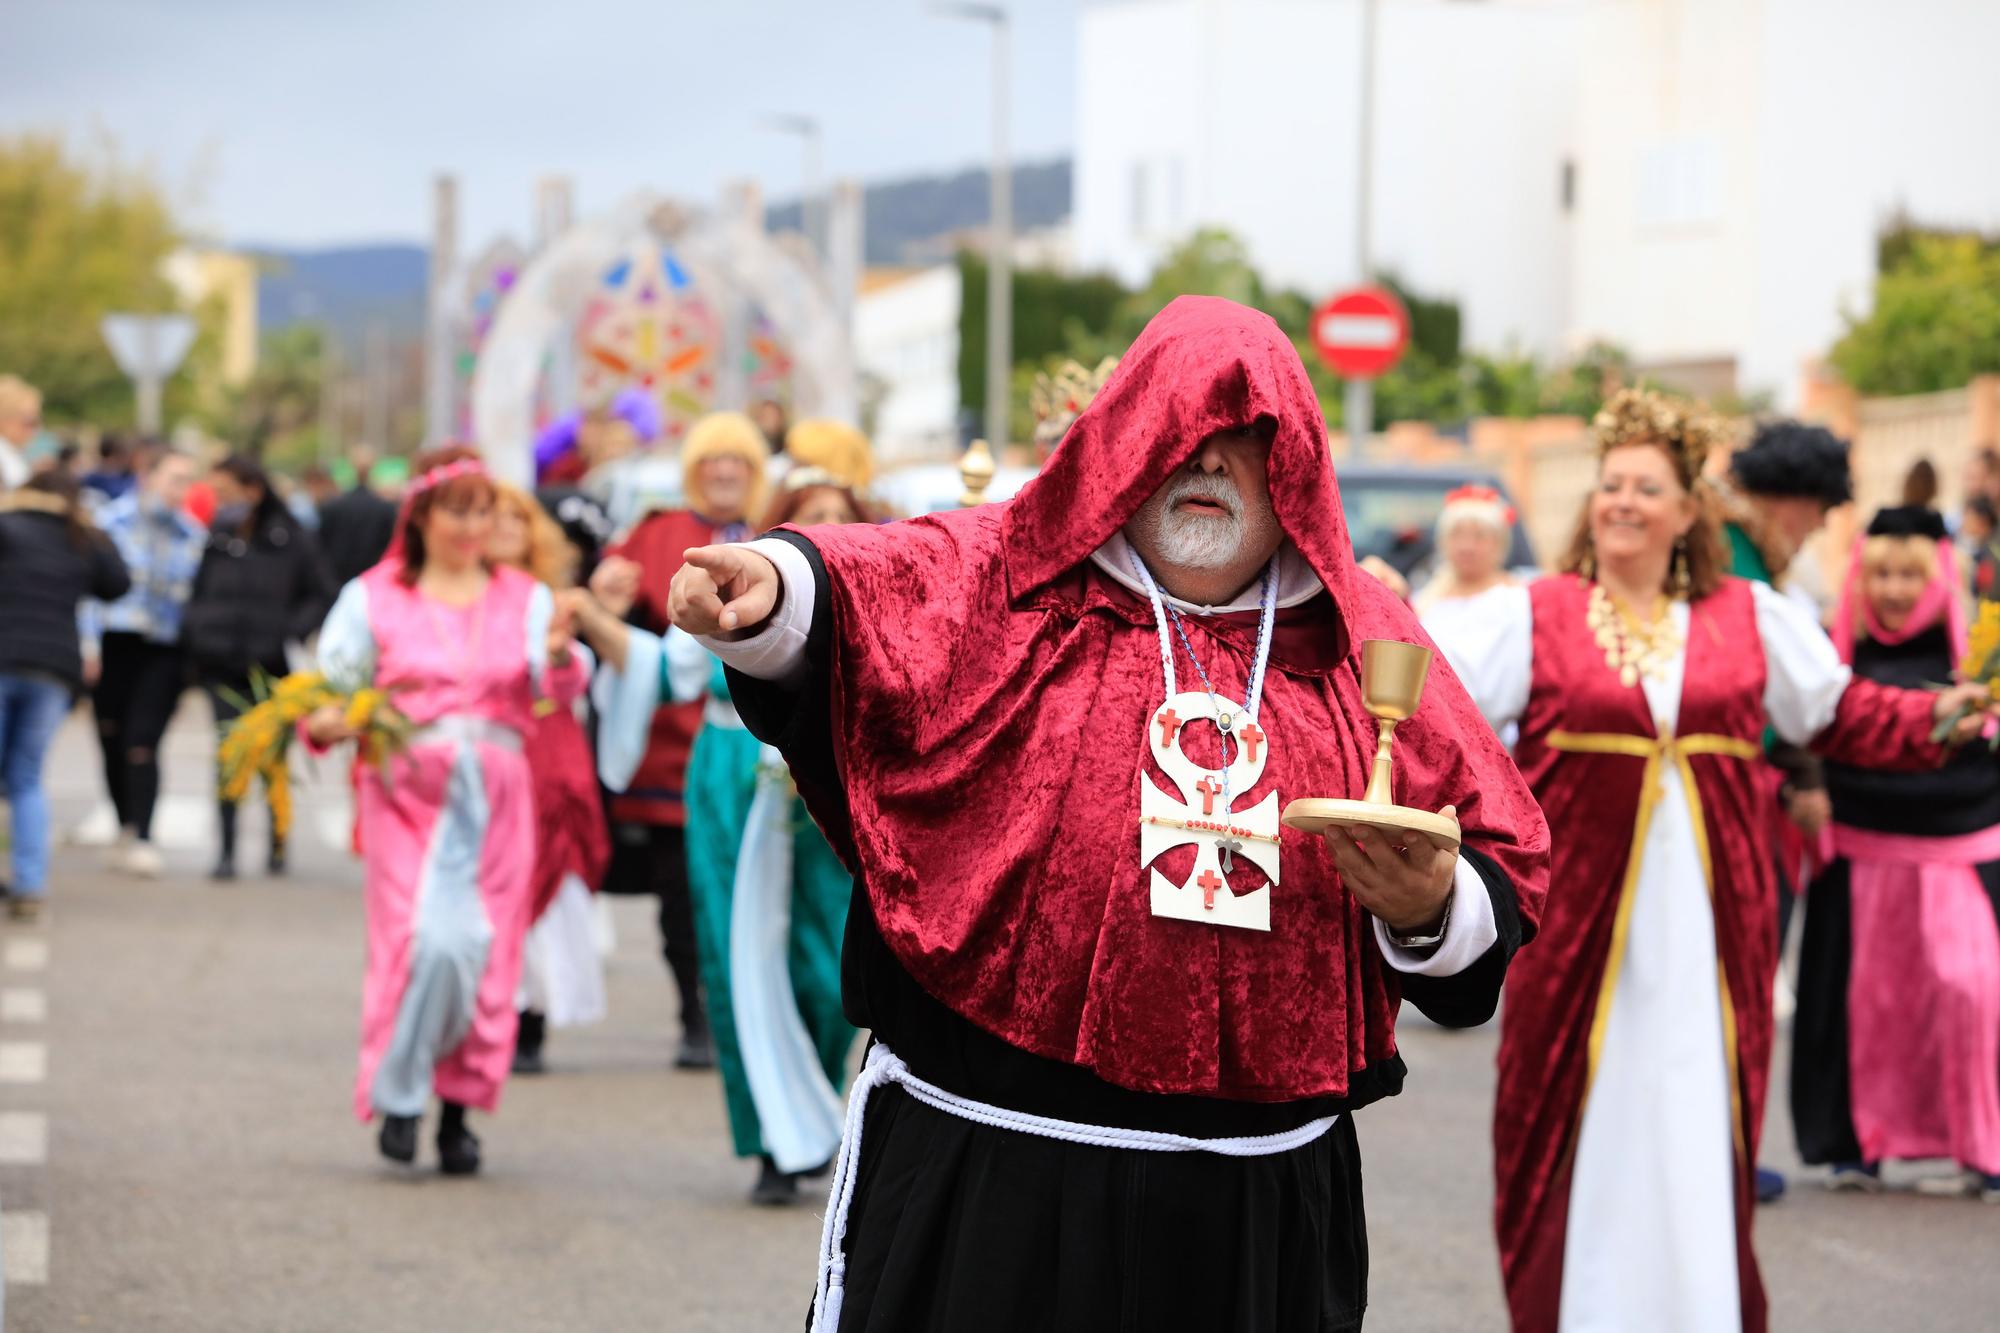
[1392, 512]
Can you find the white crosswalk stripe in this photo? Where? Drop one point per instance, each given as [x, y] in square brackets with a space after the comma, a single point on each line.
[24, 1138]
[23, 1061]
[28, 955]
[23, 1004]
[24, 1249]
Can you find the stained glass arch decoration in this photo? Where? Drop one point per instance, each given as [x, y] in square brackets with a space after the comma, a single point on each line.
[703, 310]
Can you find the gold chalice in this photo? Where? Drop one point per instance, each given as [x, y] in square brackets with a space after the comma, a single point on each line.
[1392, 684]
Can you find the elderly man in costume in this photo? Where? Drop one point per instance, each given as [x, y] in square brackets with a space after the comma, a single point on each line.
[1116, 1055]
[722, 468]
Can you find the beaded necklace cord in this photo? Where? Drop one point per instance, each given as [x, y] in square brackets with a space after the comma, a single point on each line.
[1165, 615]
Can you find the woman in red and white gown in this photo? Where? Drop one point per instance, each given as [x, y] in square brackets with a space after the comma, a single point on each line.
[1636, 1033]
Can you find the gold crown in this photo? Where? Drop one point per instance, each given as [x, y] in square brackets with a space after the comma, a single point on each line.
[1059, 399]
[1687, 430]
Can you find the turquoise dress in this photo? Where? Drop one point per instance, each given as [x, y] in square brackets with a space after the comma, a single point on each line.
[770, 908]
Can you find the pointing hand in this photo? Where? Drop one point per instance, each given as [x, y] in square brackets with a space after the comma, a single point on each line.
[723, 590]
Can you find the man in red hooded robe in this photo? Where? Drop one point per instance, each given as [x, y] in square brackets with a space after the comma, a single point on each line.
[1121, 1017]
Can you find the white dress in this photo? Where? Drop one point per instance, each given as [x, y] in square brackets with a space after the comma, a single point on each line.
[1651, 1239]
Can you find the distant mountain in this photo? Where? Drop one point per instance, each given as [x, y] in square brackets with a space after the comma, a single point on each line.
[360, 287]
[902, 214]
[353, 288]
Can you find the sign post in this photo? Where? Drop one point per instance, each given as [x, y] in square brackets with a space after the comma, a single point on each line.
[1361, 333]
[148, 348]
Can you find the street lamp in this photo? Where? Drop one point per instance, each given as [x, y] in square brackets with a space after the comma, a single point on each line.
[811, 214]
[1358, 409]
[1000, 245]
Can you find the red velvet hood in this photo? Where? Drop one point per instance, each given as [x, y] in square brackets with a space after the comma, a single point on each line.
[991, 696]
[1201, 366]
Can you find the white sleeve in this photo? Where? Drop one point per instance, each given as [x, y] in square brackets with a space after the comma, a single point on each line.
[1467, 936]
[1490, 645]
[1803, 674]
[541, 610]
[776, 652]
[687, 668]
[625, 702]
[347, 641]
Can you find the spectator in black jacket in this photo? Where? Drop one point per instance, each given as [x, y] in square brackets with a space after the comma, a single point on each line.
[354, 529]
[262, 582]
[50, 559]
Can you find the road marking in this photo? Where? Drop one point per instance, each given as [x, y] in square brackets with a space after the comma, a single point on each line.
[184, 823]
[23, 1004]
[23, 1061]
[24, 1249]
[30, 955]
[24, 1138]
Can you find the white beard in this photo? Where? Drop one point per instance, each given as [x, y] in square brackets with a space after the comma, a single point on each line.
[1199, 541]
[1194, 541]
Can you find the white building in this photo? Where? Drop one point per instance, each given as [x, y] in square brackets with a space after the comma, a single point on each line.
[1700, 181]
[906, 344]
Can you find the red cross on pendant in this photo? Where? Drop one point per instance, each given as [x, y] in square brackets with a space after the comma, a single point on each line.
[1252, 736]
[1209, 789]
[1209, 882]
[1170, 723]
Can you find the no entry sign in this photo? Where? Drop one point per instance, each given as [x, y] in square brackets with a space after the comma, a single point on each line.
[1361, 332]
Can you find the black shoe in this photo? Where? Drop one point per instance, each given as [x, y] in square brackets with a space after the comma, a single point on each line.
[697, 1049]
[27, 911]
[398, 1139]
[528, 1043]
[458, 1147]
[225, 870]
[274, 864]
[819, 1172]
[774, 1188]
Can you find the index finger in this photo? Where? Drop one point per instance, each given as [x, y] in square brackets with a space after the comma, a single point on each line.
[715, 559]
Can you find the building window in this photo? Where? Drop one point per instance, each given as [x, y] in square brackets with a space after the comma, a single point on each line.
[1569, 185]
[1139, 198]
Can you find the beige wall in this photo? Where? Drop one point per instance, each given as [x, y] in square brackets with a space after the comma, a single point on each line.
[230, 280]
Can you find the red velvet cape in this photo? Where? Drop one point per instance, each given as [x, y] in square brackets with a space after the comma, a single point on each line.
[991, 694]
[655, 794]
[570, 833]
[1592, 803]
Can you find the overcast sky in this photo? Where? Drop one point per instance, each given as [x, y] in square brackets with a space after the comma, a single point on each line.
[319, 121]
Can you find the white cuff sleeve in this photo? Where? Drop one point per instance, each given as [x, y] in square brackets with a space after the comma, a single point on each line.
[1467, 936]
[776, 652]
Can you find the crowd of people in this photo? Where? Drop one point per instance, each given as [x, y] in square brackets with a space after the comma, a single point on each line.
[890, 778]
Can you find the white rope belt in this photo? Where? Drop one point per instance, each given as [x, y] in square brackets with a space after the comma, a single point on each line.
[884, 1067]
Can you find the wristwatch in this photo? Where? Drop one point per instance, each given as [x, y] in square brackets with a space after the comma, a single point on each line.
[1431, 938]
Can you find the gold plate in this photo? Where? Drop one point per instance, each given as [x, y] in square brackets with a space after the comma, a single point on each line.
[1317, 814]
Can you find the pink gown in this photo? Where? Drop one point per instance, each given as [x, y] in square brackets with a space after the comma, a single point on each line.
[448, 840]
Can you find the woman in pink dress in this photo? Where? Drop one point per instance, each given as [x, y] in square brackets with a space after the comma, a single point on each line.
[448, 832]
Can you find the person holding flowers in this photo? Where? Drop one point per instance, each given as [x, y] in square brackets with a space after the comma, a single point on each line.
[466, 650]
[1896, 1043]
[261, 583]
[1636, 1033]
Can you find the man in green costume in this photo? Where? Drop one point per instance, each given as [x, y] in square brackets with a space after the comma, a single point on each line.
[770, 896]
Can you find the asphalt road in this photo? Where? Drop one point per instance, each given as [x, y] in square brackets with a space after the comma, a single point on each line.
[198, 1167]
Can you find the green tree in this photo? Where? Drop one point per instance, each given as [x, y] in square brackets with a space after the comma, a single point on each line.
[276, 414]
[1935, 322]
[1052, 311]
[78, 240]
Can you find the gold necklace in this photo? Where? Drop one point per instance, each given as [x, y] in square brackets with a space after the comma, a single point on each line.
[1631, 648]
